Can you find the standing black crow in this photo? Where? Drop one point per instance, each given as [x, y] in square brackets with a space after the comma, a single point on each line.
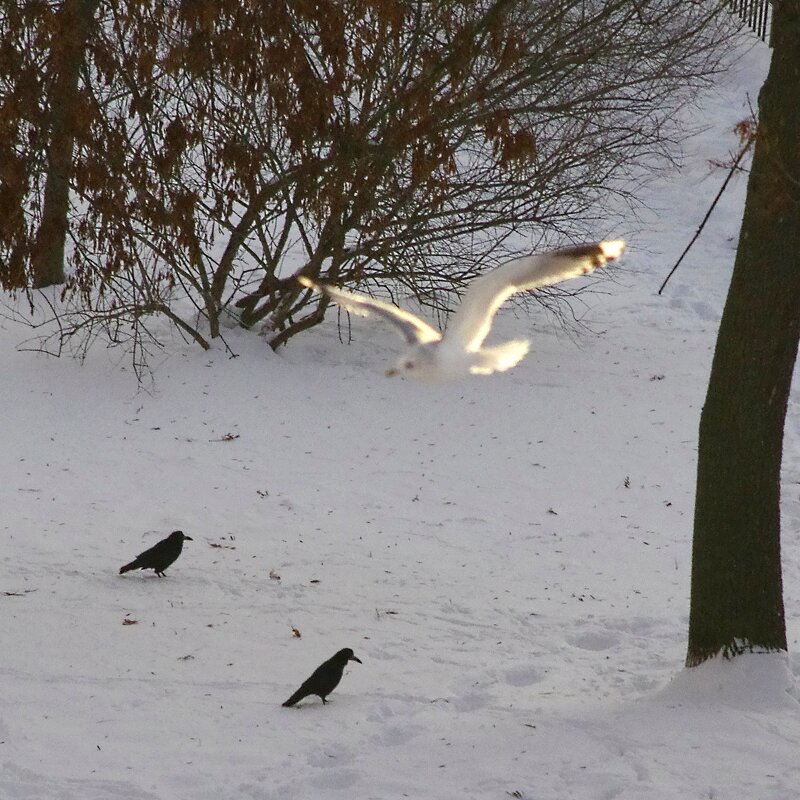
[160, 555]
[325, 677]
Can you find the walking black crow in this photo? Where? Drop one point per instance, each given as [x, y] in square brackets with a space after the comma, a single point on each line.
[160, 555]
[325, 677]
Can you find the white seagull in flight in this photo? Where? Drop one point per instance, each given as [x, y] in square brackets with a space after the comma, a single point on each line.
[460, 352]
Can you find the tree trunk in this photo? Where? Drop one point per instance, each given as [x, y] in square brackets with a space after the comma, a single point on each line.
[69, 42]
[737, 597]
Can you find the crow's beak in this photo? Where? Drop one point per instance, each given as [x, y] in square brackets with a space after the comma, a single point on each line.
[353, 658]
[185, 537]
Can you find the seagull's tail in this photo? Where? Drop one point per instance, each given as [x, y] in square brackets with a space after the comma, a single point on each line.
[499, 358]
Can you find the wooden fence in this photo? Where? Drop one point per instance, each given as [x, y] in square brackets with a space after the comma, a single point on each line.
[756, 14]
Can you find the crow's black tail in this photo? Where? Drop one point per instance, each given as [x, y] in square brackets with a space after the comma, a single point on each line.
[295, 698]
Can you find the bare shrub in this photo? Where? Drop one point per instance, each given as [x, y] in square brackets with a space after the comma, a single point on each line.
[392, 145]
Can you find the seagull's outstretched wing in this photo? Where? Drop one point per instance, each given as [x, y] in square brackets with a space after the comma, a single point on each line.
[413, 329]
[473, 320]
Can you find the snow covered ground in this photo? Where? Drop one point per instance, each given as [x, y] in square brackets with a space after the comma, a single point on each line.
[508, 556]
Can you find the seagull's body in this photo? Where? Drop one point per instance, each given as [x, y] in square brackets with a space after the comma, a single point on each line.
[460, 351]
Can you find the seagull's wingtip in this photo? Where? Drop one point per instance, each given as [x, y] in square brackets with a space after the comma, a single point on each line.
[613, 249]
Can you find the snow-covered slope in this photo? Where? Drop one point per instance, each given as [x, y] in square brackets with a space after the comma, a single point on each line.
[508, 556]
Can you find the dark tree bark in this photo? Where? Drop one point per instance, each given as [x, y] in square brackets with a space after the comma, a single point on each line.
[69, 42]
[737, 597]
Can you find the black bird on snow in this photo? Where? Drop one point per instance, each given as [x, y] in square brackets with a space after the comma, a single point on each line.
[325, 677]
[160, 555]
